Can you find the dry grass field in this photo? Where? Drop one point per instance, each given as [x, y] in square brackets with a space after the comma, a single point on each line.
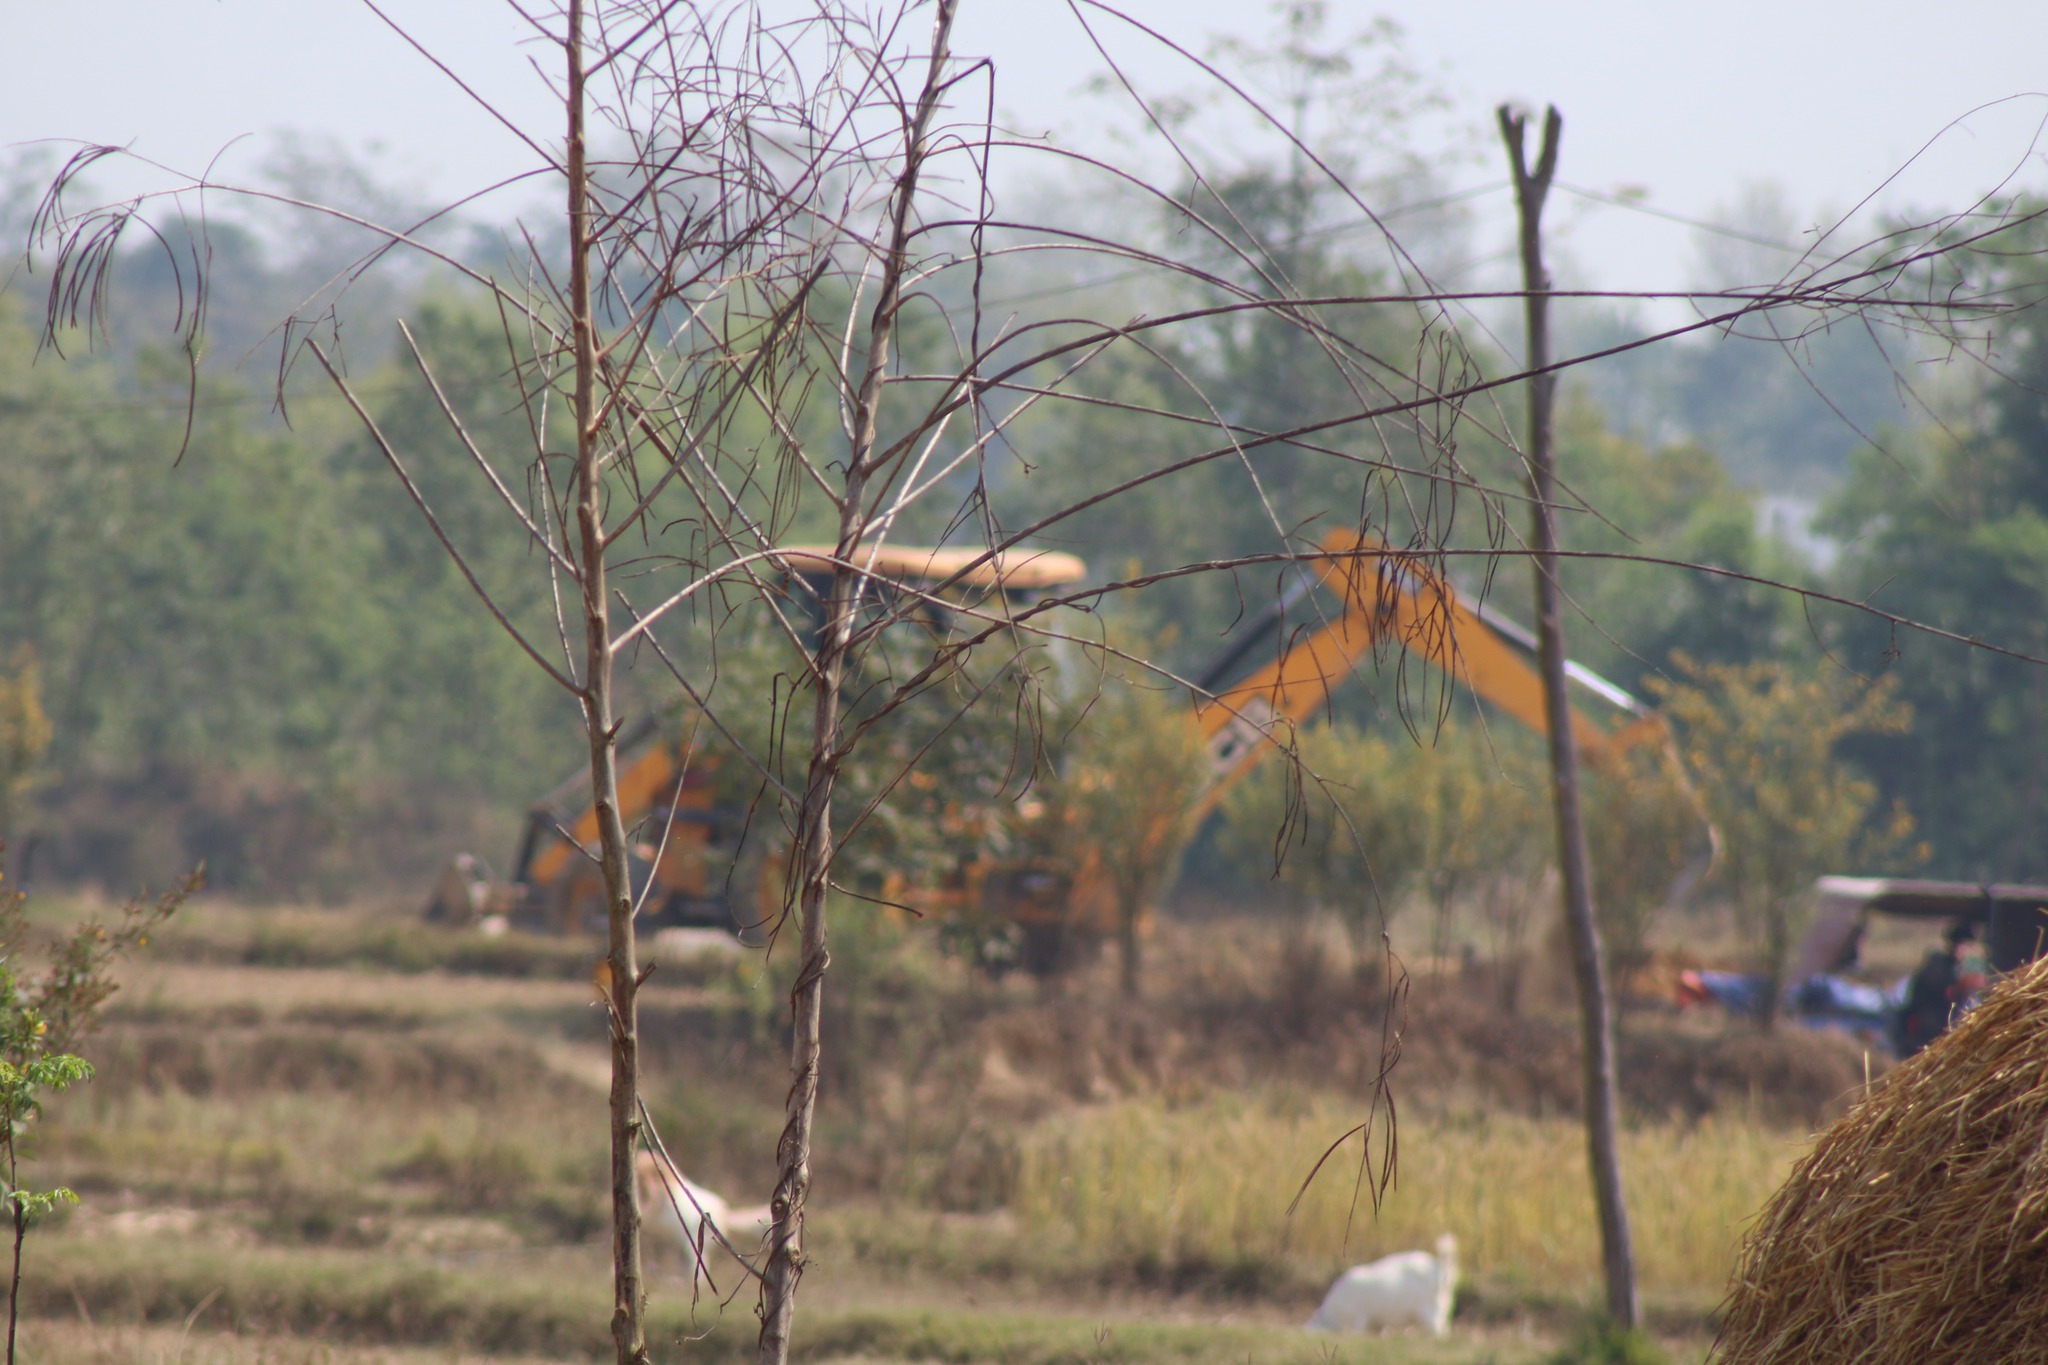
[323, 1135]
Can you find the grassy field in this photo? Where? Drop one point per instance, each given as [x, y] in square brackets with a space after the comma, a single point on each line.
[1215, 1182]
[552, 1305]
[342, 1136]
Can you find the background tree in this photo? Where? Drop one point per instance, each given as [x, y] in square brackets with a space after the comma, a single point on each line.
[1483, 799]
[1948, 523]
[1761, 741]
[1645, 830]
[1473, 789]
[261, 658]
[1625, 497]
[1125, 792]
[24, 735]
[1781, 401]
[1345, 834]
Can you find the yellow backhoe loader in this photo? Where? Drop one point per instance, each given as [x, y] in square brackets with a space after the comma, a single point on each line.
[695, 861]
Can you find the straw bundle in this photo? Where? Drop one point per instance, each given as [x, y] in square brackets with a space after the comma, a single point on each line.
[1917, 1229]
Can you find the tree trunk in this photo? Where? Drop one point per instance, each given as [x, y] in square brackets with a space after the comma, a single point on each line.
[1596, 1026]
[1777, 919]
[622, 982]
[20, 1232]
[807, 995]
[1130, 951]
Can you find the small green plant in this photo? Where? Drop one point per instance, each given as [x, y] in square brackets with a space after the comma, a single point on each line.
[1599, 1341]
[41, 1020]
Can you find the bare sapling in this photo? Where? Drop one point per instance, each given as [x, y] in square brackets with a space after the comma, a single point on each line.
[621, 983]
[816, 853]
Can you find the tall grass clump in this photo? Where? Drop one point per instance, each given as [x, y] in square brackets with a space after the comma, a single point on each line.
[1212, 1183]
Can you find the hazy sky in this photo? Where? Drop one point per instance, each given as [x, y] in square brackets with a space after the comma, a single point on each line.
[1689, 101]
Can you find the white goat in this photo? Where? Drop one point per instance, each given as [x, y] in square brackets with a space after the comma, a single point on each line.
[1411, 1288]
[681, 1209]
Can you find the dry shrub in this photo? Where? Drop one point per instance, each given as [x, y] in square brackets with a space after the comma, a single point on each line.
[236, 1062]
[1459, 1051]
[1917, 1230]
[479, 1172]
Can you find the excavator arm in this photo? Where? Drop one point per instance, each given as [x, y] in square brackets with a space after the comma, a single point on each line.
[1388, 603]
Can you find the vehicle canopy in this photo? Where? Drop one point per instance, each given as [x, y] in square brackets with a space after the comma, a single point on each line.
[1013, 570]
[2012, 918]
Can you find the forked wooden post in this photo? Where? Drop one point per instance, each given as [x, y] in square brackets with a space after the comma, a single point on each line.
[1596, 1022]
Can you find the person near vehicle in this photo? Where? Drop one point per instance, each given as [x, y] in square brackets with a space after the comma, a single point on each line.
[1938, 991]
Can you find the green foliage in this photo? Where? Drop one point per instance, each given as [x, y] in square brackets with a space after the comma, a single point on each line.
[259, 657]
[24, 732]
[1761, 742]
[28, 1071]
[935, 778]
[1967, 549]
[1481, 798]
[1341, 833]
[1125, 792]
[1645, 827]
[1371, 818]
[1949, 526]
[935, 781]
[1598, 1341]
[1673, 503]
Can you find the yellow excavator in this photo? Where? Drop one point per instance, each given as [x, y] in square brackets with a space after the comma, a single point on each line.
[695, 863]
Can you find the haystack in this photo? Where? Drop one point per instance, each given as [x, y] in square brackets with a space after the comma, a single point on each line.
[1917, 1229]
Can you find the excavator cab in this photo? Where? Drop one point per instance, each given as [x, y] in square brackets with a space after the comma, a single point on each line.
[931, 587]
[696, 861]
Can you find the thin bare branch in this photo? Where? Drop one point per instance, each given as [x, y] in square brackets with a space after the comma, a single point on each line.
[419, 500]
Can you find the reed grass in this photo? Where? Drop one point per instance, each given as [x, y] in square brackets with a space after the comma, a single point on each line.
[1212, 1183]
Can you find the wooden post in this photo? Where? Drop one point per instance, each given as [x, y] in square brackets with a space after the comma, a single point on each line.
[1596, 1024]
